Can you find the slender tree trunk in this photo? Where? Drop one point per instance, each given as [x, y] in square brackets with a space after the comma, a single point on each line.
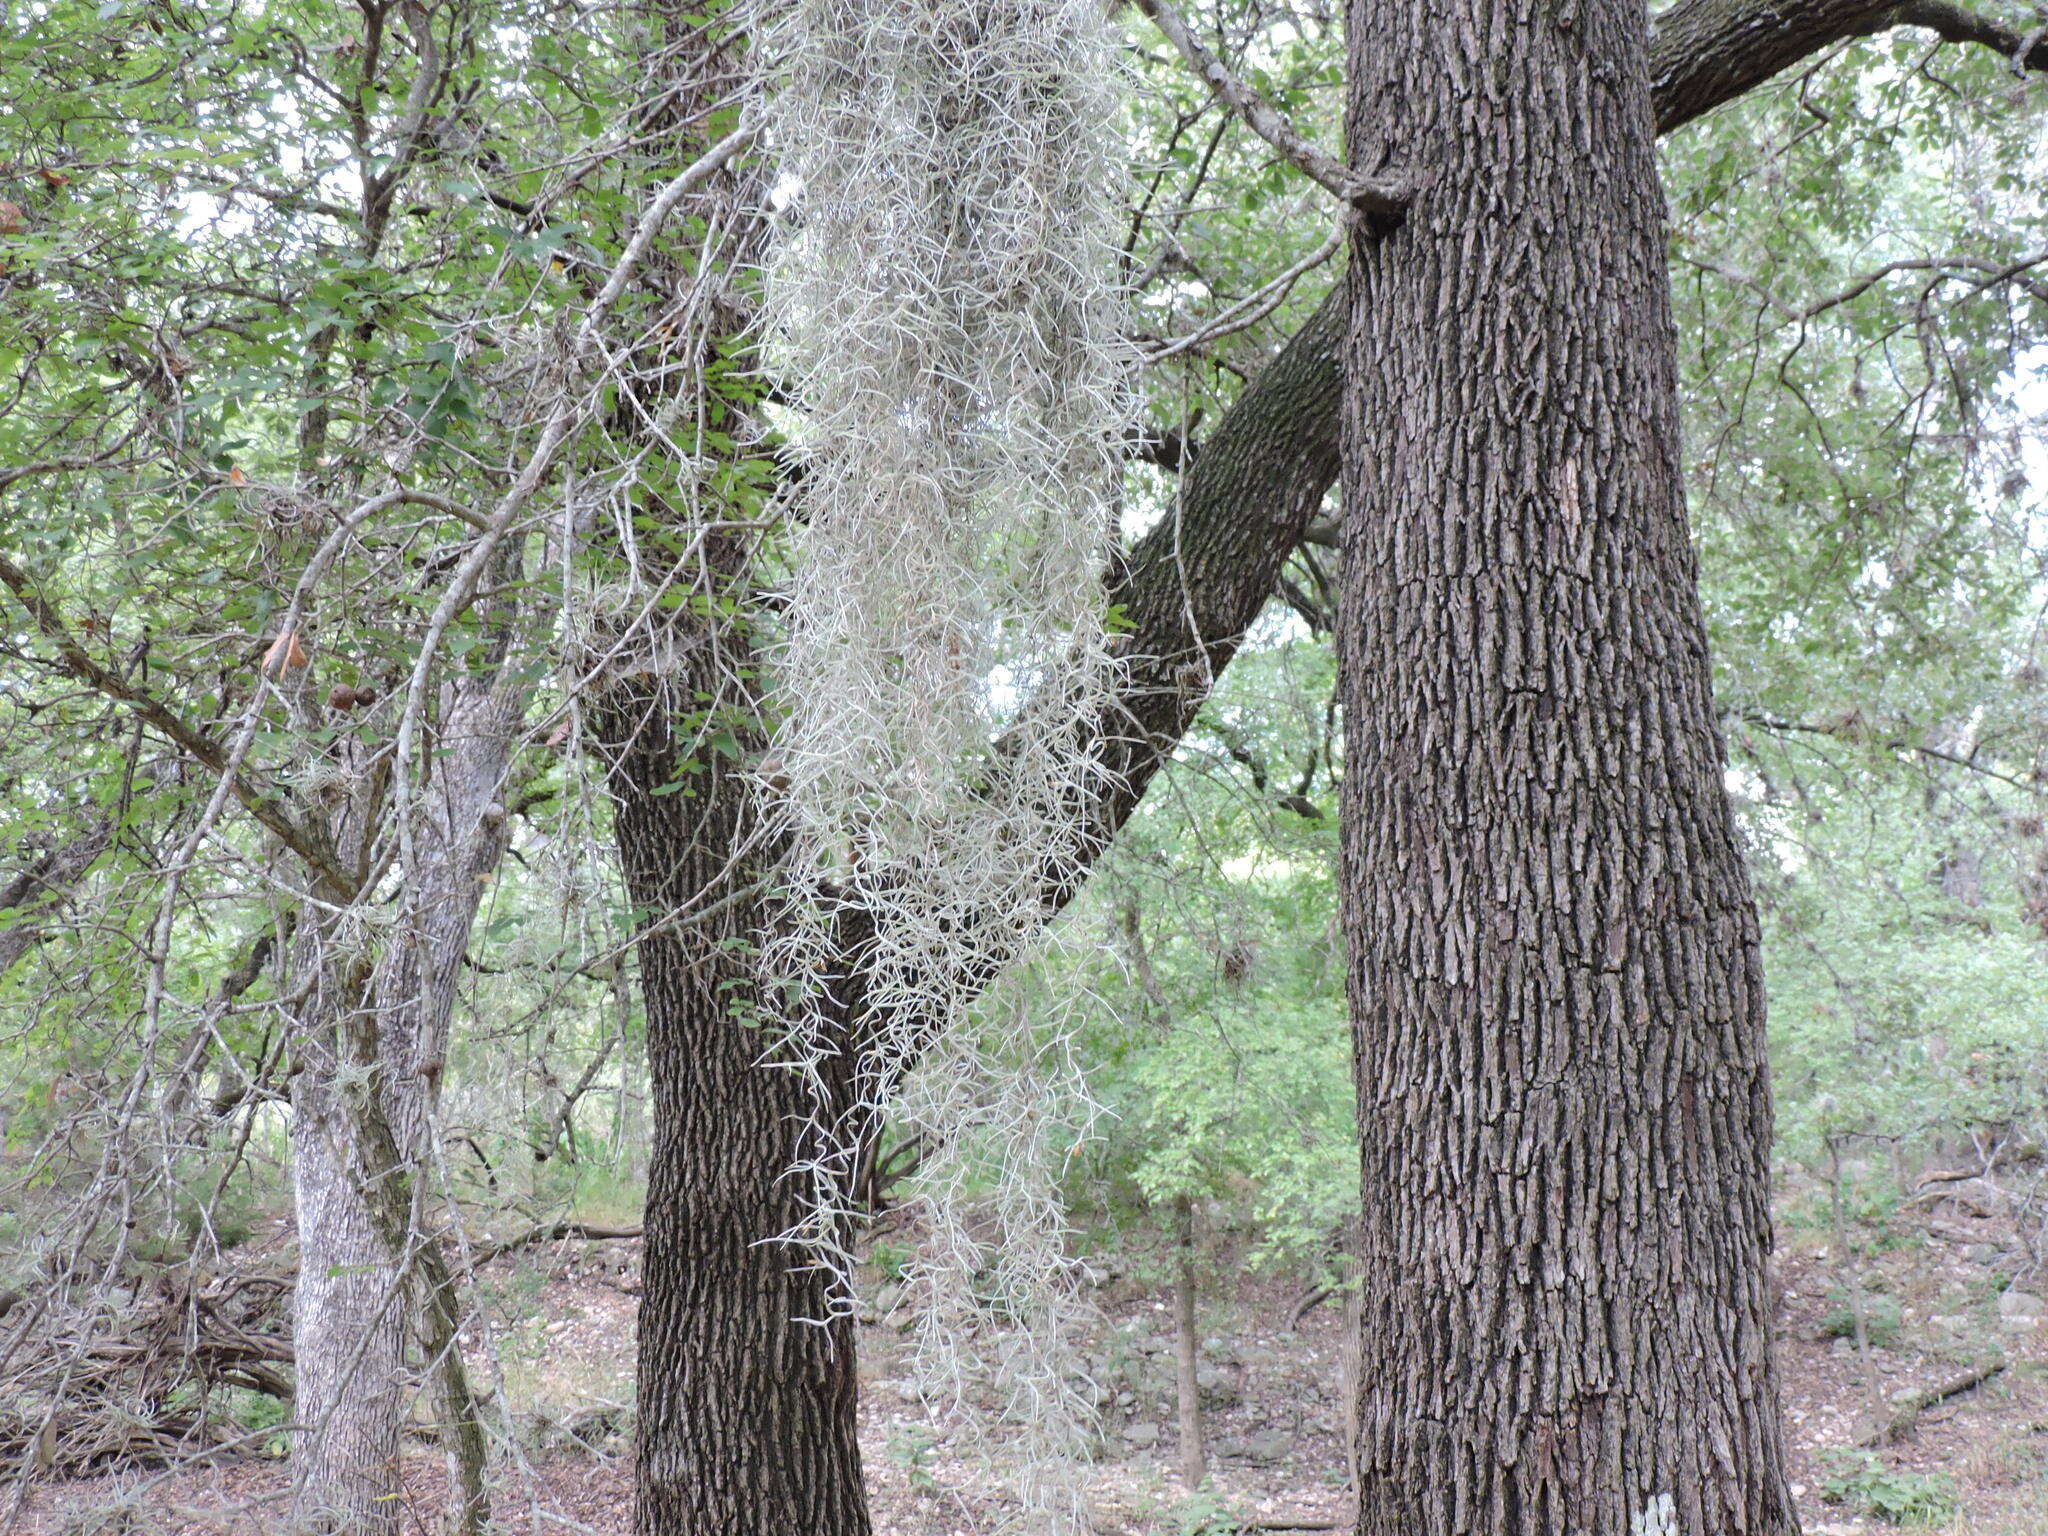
[629, 1127]
[1555, 981]
[348, 1322]
[746, 1403]
[371, 1057]
[1187, 1342]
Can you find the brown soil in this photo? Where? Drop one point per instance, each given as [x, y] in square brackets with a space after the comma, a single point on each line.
[1932, 1304]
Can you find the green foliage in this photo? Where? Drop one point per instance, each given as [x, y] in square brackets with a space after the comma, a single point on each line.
[201, 304]
[1882, 1319]
[1204, 1512]
[1223, 1050]
[263, 1418]
[910, 1447]
[891, 1260]
[1860, 1480]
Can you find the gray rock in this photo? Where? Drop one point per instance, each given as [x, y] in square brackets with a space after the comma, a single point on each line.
[2020, 1304]
[1142, 1436]
[1220, 1386]
[1268, 1445]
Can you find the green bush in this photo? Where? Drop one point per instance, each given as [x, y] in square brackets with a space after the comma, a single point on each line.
[1882, 1319]
[1863, 1483]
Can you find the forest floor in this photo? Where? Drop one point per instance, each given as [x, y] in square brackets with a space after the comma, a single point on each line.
[1949, 1291]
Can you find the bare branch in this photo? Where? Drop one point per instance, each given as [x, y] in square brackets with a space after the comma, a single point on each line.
[1380, 197]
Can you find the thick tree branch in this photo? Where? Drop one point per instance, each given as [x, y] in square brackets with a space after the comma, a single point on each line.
[1198, 581]
[1953, 24]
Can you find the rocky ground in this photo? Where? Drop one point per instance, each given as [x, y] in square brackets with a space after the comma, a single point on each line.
[1953, 1365]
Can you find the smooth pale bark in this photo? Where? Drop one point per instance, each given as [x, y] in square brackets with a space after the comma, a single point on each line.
[370, 1050]
[1555, 977]
[348, 1320]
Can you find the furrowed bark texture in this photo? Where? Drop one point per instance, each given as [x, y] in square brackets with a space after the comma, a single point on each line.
[1556, 986]
[1703, 54]
[711, 1451]
[746, 1410]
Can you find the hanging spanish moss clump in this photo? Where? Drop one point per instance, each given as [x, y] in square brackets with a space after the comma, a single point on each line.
[944, 305]
[999, 1297]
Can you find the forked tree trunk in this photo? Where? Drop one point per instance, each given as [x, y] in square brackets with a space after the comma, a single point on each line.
[370, 1052]
[746, 1403]
[1194, 585]
[1555, 982]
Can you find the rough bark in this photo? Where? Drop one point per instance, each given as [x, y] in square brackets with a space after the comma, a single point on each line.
[1194, 585]
[1555, 978]
[717, 1443]
[1282, 432]
[746, 1405]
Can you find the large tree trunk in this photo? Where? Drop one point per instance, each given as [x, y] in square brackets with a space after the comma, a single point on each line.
[743, 1415]
[746, 1402]
[1555, 980]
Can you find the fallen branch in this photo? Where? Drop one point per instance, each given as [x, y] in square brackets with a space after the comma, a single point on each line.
[134, 1386]
[1909, 1409]
[558, 1232]
[1311, 1298]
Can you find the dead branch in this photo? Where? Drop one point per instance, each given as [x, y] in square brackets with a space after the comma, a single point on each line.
[557, 1232]
[1909, 1409]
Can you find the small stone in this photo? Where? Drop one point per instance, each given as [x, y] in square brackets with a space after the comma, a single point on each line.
[1220, 1386]
[1268, 1445]
[2020, 1304]
[1142, 1436]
